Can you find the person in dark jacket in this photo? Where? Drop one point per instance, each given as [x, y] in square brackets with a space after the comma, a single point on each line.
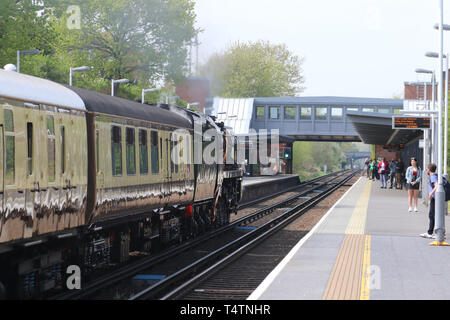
[392, 179]
[399, 169]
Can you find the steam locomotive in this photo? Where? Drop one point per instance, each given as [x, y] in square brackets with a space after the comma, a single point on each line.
[86, 178]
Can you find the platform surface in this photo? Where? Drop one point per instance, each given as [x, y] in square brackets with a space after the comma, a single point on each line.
[367, 247]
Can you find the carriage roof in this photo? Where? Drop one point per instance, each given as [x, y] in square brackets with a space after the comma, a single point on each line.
[32, 89]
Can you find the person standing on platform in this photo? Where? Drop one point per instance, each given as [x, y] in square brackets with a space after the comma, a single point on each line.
[413, 178]
[367, 166]
[375, 170]
[431, 171]
[383, 170]
[399, 168]
[392, 166]
[371, 169]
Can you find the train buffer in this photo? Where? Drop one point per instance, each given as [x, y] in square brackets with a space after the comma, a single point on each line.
[366, 247]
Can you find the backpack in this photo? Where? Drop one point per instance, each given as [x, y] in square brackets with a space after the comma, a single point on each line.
[446, 185]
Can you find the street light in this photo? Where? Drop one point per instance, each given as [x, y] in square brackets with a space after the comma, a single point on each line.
[436, 55]
[117, 81]
[419, 70]
[79, 69]
[440, 193]
[428, 140]
[446, 27]
[25, 53]
[144, 91]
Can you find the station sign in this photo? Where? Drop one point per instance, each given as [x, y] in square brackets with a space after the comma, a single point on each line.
[411, 122]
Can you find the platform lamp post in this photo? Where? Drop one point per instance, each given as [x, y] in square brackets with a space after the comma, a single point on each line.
[439, 211]
[79, 69]
[436, 55]
[25, 53]
[113, 82]
[445, 27]
[428, 136]
[144, 91]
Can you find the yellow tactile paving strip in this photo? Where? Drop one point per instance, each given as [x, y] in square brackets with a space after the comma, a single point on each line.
[365, 281]
[349, 277]
[357, 222]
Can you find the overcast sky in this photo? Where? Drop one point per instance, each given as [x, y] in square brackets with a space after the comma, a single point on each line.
[359, 48]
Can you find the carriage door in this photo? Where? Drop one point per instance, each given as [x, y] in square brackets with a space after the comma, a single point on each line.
[169, 167]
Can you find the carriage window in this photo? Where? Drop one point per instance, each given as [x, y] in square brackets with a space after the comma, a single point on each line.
[63, 150]
[188, 154]
[9, 121]
[10, 158]
[170, 156]
[143, 152]
[51, 148]
[10, 147]
[50, 125]
[161, 151]
[154, 152]
[30, 147]
[97, 153]
[175, 145]
[131, 151]
[116, 150]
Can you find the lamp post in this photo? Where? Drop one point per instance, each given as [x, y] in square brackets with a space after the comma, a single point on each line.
[439, 214]
[428, 136]
[117, 81]
[25, 53]
[144, 91]
[436, 55]
[79, 69]
[433, 137]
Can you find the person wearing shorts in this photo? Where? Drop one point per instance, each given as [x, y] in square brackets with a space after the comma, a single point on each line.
[413, 178]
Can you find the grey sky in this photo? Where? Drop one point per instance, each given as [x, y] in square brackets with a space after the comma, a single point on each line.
[361, 48]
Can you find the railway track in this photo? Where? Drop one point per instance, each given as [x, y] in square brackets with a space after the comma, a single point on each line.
[204, 244]
[233, 283]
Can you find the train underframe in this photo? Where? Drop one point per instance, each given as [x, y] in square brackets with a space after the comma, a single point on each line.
[40, 268]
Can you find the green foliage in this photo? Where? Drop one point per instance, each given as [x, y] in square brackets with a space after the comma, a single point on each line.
[310, 157]
[145, 41]
[254, 69]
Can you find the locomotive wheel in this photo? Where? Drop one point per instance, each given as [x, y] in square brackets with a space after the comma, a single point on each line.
[222, 217]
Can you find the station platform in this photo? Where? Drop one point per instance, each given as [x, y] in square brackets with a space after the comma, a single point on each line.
[263, 186]
[366, 247]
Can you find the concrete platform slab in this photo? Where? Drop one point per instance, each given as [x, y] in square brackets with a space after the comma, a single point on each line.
[393, 263]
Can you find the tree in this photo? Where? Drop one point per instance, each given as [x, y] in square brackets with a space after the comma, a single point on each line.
[255, 69]
[310, 157]
[143, 40]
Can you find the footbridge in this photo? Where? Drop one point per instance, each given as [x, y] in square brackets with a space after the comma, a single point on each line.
[300, 118]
